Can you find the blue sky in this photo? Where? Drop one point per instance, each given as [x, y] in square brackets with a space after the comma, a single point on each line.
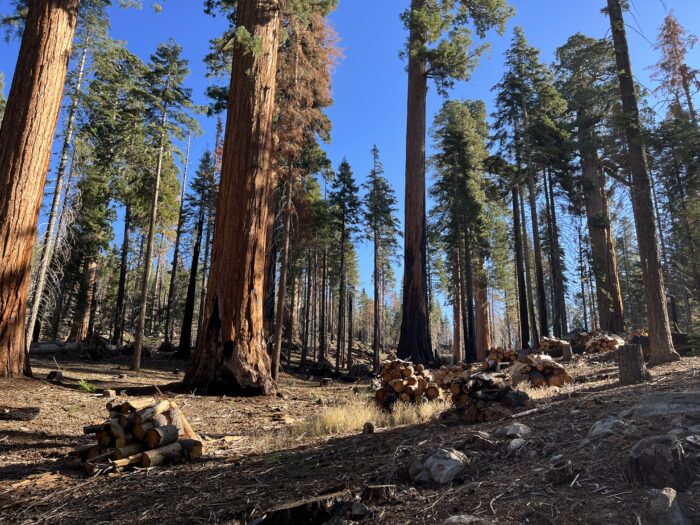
[370, 81]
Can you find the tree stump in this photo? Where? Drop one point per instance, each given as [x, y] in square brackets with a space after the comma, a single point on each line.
[566, 352]
[633, 370]
[659, 462]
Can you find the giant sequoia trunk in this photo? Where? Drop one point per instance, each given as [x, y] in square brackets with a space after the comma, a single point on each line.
[661, 344]
[231, 353]
[414, 341]
[26, 136]
[608, 293]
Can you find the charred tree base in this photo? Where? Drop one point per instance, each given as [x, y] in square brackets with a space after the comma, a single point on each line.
[633, 370]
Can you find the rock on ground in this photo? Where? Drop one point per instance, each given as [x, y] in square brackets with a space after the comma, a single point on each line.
[441, 466]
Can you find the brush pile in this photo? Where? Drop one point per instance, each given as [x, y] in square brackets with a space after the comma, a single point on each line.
[486, 396]
[403, 381]
[139, 433]
[540, 370]
[499, 358]
[446, 375]
[604, 343]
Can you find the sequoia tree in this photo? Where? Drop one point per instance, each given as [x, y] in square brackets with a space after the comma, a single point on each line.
[26, 136]
[439, 47]
[232, 352]
[659, 328]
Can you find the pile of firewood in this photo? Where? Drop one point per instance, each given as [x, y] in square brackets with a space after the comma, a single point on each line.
[551, 344]
[542, 371]
[403, 381]
[139, 433]
[446, 375]
[486, 396]
[604, 343]
[582, 338]
[499, 358]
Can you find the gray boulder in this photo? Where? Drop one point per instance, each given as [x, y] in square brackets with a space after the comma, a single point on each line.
[441, 466]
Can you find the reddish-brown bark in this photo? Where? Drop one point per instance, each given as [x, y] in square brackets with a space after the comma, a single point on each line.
[25, 149]
[232, 352]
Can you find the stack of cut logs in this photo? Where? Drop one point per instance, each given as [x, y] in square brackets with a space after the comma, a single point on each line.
[551, 344]
[486, 396]
[604, 343]
[446, 375]
[140, 433]
[499, 358]
[542, 370]
[582, 338]
[403, 381]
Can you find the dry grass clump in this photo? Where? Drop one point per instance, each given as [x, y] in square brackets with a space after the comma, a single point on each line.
[350, 418]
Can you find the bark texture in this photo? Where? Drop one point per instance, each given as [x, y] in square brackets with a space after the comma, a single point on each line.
[232, 353]
[661, 344]
[414, 340]
[26, 137]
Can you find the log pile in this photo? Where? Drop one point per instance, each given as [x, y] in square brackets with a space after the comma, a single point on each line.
[486, 396]
[604, 343]
[139, 433]
[542, 371]
[446, 375]
[403, 381]
[552, 344]
[499, 358]
[632, 337]
[582, 338]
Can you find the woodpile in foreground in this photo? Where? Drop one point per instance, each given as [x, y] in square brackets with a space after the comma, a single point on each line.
[403, 381]
[540, 371]
[139, 433]
[486, 396]
[604, 343]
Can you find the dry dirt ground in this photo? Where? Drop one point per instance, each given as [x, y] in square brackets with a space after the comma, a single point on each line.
[241, 474]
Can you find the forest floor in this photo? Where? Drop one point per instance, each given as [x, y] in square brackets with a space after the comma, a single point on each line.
[244, 471]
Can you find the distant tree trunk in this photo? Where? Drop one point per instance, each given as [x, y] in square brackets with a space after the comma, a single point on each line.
[414, 341]
[81, 317]
[661, 344]
[232, 352]
[520, 270]
[582, 278]
[146, 276]
[528, 275]
[470, 335]
[293, 325]
[47, 249]
[322, 347]
[482, 317]
[184, 348]
[608, 293]
[26, 136]
[282, 288]
[557, 265]
[271, 270]
[176, 249]
[118, 334]
[308, 308]
[205, 275]
[155, 295]
[626, 263]
[377, 323]
[350, 328]
[341, 301]
[456, 308]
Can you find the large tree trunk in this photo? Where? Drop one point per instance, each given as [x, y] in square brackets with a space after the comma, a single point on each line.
[232, 354]
[26, 137]
[414, 341]
[608, 293]
[184, 348]
[661, 344]
[118, 334]
[147, 263]
[81, 317]
[47, 250]
[520, 270]
[176, 249]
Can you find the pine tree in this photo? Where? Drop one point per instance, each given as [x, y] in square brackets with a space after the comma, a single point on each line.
[167, 105]
[382, 230]
[661, 344]
[439, 48]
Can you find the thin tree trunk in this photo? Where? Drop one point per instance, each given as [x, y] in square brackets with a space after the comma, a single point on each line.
[26, 136]
[232, 352]
[350, 328]
[520, 269]
[282, 288]
[307, 312]
[661, 344]
[322, 326]
[341, 301]
[81, 317]
[482, 317]
[377, 324]
[48, 247]
[184, 348]
[118, 335]
[470, 338]
[456, 308]
[559, 289]
[414, 341]
[205, 275]
[528, 275]
[141, 322]
[176, 249]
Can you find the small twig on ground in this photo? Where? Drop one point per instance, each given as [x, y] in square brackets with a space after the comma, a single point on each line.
[492, 502]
